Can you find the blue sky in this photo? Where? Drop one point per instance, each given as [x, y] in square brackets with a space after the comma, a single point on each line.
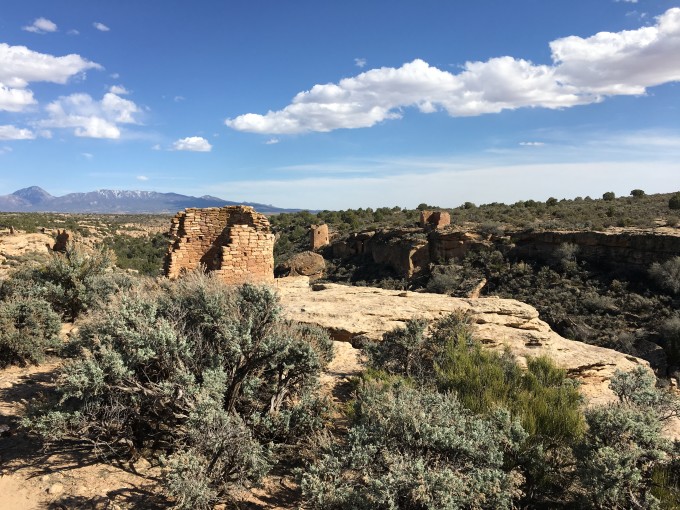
[337, 104]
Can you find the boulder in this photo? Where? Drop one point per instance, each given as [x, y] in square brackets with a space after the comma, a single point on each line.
[306, 263]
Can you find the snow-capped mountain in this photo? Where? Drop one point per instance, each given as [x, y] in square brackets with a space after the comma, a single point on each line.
[36, 199]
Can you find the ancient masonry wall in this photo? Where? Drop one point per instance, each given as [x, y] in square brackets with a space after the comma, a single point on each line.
[318, 236]
[234, 242]
[435, 219]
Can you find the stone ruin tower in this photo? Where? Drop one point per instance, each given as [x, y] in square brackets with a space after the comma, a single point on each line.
[434, 219]
[318, 236]
[234, 242]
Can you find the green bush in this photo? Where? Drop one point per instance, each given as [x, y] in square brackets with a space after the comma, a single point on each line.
[608, 196]
[28, 327]
[73, 282]
[623, 448]
[209, 378]
[447, 359]
[674, 202]
[416, 449]
[667, 274]
[637, 193]
[142, 254]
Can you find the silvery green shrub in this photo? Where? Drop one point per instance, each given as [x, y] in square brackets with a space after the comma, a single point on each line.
[206, 378]
[413, 448]
[28, 327]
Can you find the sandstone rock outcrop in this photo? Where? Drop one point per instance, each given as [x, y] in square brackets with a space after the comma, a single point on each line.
[353, 313]
[630, 249]
[306, 263]
[234, 242]
[405, 250]
[15, 245]
[408, 251]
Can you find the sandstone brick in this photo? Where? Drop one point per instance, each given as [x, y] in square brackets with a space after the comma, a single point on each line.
[235, 242]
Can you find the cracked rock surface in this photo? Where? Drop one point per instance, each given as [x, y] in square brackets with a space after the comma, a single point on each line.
[353, 313]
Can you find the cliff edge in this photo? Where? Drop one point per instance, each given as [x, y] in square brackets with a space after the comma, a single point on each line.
[353, 313]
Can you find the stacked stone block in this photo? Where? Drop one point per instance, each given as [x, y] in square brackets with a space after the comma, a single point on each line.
[234, 242]
[434, 219]
[318, 236]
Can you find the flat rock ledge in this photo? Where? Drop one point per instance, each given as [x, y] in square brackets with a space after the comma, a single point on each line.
[351, 314]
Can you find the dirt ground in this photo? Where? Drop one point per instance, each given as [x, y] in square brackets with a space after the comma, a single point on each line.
[69, 475]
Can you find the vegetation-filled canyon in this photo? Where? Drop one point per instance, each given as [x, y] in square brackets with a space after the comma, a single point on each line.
[522, 356]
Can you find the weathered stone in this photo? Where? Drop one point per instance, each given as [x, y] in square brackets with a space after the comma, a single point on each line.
[61, 241]
[434, 219]
[318, 236]
[306, 263]
[630, 249]
[234, 242]
[354, 313]
[55, 488]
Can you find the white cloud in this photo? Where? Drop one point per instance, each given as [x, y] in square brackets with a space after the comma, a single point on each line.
[177, 99]
[15, 100]
[627, 1]
[90, 118]
[192, 143]
[100, 26]
[87, 155]
[19, 65]
[272, 141]
[73, 31]
[532, 144]
[115, 76]
[624, 62]
[9, 132]
[41, 26]
[584, 70]
[5, 150]
[360, 62]
[156, 147]
[119, 89]
[142, 178]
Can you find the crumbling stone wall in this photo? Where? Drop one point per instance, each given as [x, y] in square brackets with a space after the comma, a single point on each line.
[435, 219]
[318, 236]
[234, 242]
[61, 242]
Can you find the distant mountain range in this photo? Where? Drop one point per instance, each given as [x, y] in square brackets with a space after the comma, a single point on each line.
[36, 199]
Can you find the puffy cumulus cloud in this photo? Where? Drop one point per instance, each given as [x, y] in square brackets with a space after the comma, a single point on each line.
[9, 132]
[41, 26]
[627, 62]
[100, 26]
[90, 118]
[379, 94]
[192, 143]
[19, 66]
[584, 70]
[15, 100]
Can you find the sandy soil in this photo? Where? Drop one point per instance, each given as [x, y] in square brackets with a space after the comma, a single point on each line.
[69, 475]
